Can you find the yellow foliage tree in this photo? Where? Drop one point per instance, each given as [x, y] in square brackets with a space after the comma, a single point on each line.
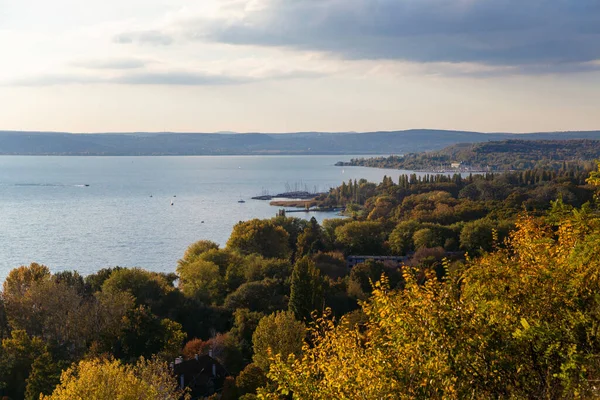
[521, 322]
[103, 379]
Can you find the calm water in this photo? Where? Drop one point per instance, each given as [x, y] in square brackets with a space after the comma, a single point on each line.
[47, 215]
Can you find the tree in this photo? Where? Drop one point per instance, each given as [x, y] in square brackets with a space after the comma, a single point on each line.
[306, 293]
[477, 236]
[105, 379]
[95, 281]
[250, 379]
[195, 250]
[310, 241]
[362, 237]
[331, 264]
[519, 322]
[26, 366]
[262, 296]
[14, 293]
[195, 347]
[150, 289]
[401, 238]
[257, 268]
[279, 333]
[201, 280]
[261, 237]
[366, 274]
[54, 310]
[425, 238]
[294, 227]
[244, 325]
[144, 334]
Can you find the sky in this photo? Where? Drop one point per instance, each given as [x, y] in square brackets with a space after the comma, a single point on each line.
[299, 65]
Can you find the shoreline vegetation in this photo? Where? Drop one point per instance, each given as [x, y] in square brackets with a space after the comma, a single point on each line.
[508, 155]
[482, 286]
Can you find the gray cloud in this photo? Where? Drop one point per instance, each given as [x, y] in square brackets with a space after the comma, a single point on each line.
[178, 79]
[552, 35]
[151, 37]
[138, 78]
[117, 64]
[144, 77]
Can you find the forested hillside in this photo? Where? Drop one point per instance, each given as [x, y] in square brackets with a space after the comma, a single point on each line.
[493, 156]
[496, 297]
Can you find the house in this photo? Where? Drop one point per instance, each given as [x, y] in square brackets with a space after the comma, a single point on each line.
[456, 165]
[203, 375]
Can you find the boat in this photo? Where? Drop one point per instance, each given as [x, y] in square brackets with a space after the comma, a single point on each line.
[241, 201]
[172, 202]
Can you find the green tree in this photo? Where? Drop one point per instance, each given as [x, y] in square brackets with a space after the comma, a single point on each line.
[150, 289]
[426, 238]
[144, 334]
[401, 238]
[261, 237]
[24, 358]
[244, 325]
[310, 241]
[362, 237]
[250, 379]
[279, 333]
[267, 295]
[294, 227]
[195, 250]
[306, 292]
[477, 236]
[202, 280]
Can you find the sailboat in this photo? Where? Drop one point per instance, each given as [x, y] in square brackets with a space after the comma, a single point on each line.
[241, 200]
[172, 202]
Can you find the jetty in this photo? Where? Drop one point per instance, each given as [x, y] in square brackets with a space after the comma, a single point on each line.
[299, 195]
[316, 209]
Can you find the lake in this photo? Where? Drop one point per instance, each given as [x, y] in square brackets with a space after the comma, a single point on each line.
[124, 217]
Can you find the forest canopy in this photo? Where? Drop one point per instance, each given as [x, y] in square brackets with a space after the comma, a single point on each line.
[479, 286]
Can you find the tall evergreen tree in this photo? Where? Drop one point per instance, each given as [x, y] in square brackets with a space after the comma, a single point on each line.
[306, 294]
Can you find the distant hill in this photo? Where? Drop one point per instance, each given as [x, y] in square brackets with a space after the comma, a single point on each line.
[396, 142]
[494, 156]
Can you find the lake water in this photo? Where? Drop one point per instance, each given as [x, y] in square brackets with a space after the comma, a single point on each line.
[49, 216]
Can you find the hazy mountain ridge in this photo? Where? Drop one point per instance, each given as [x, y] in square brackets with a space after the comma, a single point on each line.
[156, 143]
[514, 154]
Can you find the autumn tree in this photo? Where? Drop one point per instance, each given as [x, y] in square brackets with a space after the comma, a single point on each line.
[519, 322]
[106, 379]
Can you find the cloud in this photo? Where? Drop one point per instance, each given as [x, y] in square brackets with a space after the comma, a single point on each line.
[546, 35]
[177, 79]
[138, 78]
[53, 79]
[149, 37]
[166, 78]
[116, 64]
